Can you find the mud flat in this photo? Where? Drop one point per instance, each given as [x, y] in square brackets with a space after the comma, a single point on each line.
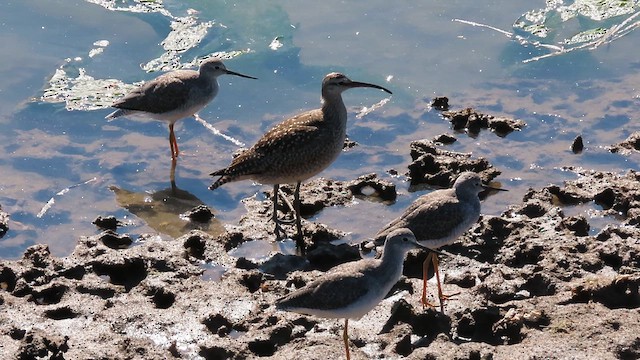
[533, 282]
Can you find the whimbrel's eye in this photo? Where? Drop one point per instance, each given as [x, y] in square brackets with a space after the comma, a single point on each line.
[405, 239]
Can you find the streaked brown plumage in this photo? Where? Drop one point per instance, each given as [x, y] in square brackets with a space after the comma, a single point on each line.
[297, 148]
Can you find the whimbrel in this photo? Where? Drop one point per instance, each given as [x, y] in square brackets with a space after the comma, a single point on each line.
[439, 218]
[350, 290]
[297, 148]
[173, 96]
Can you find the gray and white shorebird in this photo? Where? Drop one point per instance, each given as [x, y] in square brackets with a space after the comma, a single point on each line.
[350, 290]
[297, 148]
[439, 218]
[173, 96]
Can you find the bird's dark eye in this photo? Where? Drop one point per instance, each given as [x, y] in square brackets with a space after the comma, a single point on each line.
[405, 239]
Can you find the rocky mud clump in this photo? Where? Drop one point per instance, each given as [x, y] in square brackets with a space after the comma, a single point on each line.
[532, 282]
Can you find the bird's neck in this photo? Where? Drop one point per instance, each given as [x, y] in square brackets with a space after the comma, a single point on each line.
[334, 110]
[467, 196]
[392, 260]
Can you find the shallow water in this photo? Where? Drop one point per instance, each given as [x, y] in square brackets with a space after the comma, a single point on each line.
[57, 145]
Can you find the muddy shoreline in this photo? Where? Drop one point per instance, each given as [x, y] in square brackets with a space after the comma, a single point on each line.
[532, 282]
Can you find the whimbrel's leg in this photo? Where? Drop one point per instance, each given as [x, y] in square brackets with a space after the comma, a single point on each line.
[296, 204]
[173, 143]
[284, 199]
[274, 216]
[345, 337]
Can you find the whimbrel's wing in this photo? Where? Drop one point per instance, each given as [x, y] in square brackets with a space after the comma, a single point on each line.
[290, 137]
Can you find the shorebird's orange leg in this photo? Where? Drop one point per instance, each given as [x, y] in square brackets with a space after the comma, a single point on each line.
[443, 297]
[425, 267]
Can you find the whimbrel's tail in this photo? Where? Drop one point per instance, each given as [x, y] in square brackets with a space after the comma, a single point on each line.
[223, 179]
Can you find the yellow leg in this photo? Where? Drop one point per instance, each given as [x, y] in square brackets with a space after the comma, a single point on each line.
[441, 296]
[425, 267]
[345, 337]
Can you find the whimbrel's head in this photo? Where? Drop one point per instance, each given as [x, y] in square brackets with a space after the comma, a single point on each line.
[214, 68]
[336, 83]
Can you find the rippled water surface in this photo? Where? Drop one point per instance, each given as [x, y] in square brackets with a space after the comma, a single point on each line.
[64, 62]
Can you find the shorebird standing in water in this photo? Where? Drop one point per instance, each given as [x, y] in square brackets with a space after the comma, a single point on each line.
[173, 96]
[439, 218]
[297, 148]
[350, 290]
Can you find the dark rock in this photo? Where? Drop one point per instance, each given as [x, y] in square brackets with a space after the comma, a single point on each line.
[201, 213]
[613, 292]
[38, 255]
[128, 272]
[218, 324]
[60, 313]
[577, 224]
[382, 190]
[232, 240]
[8, 279]
[50, 294]
[252, 280]
[474, 121]
[629, 350]
[107, 222]
[195, 246]
[246, 264]
[628, 146]
[503, 126]
[324, 256]
[533, 209]
[427, 324]
[279, 265]
[577, 146]
[445, 139]
[403, 347]
[40, 344]
[104, 291]
[440, 103]
[216, 352]
[4, 222]
[436, 167]
[115, 241]
[161, 297]
[17, 334]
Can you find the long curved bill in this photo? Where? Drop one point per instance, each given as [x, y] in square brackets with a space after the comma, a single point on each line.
[241, 75]
[363, 84]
